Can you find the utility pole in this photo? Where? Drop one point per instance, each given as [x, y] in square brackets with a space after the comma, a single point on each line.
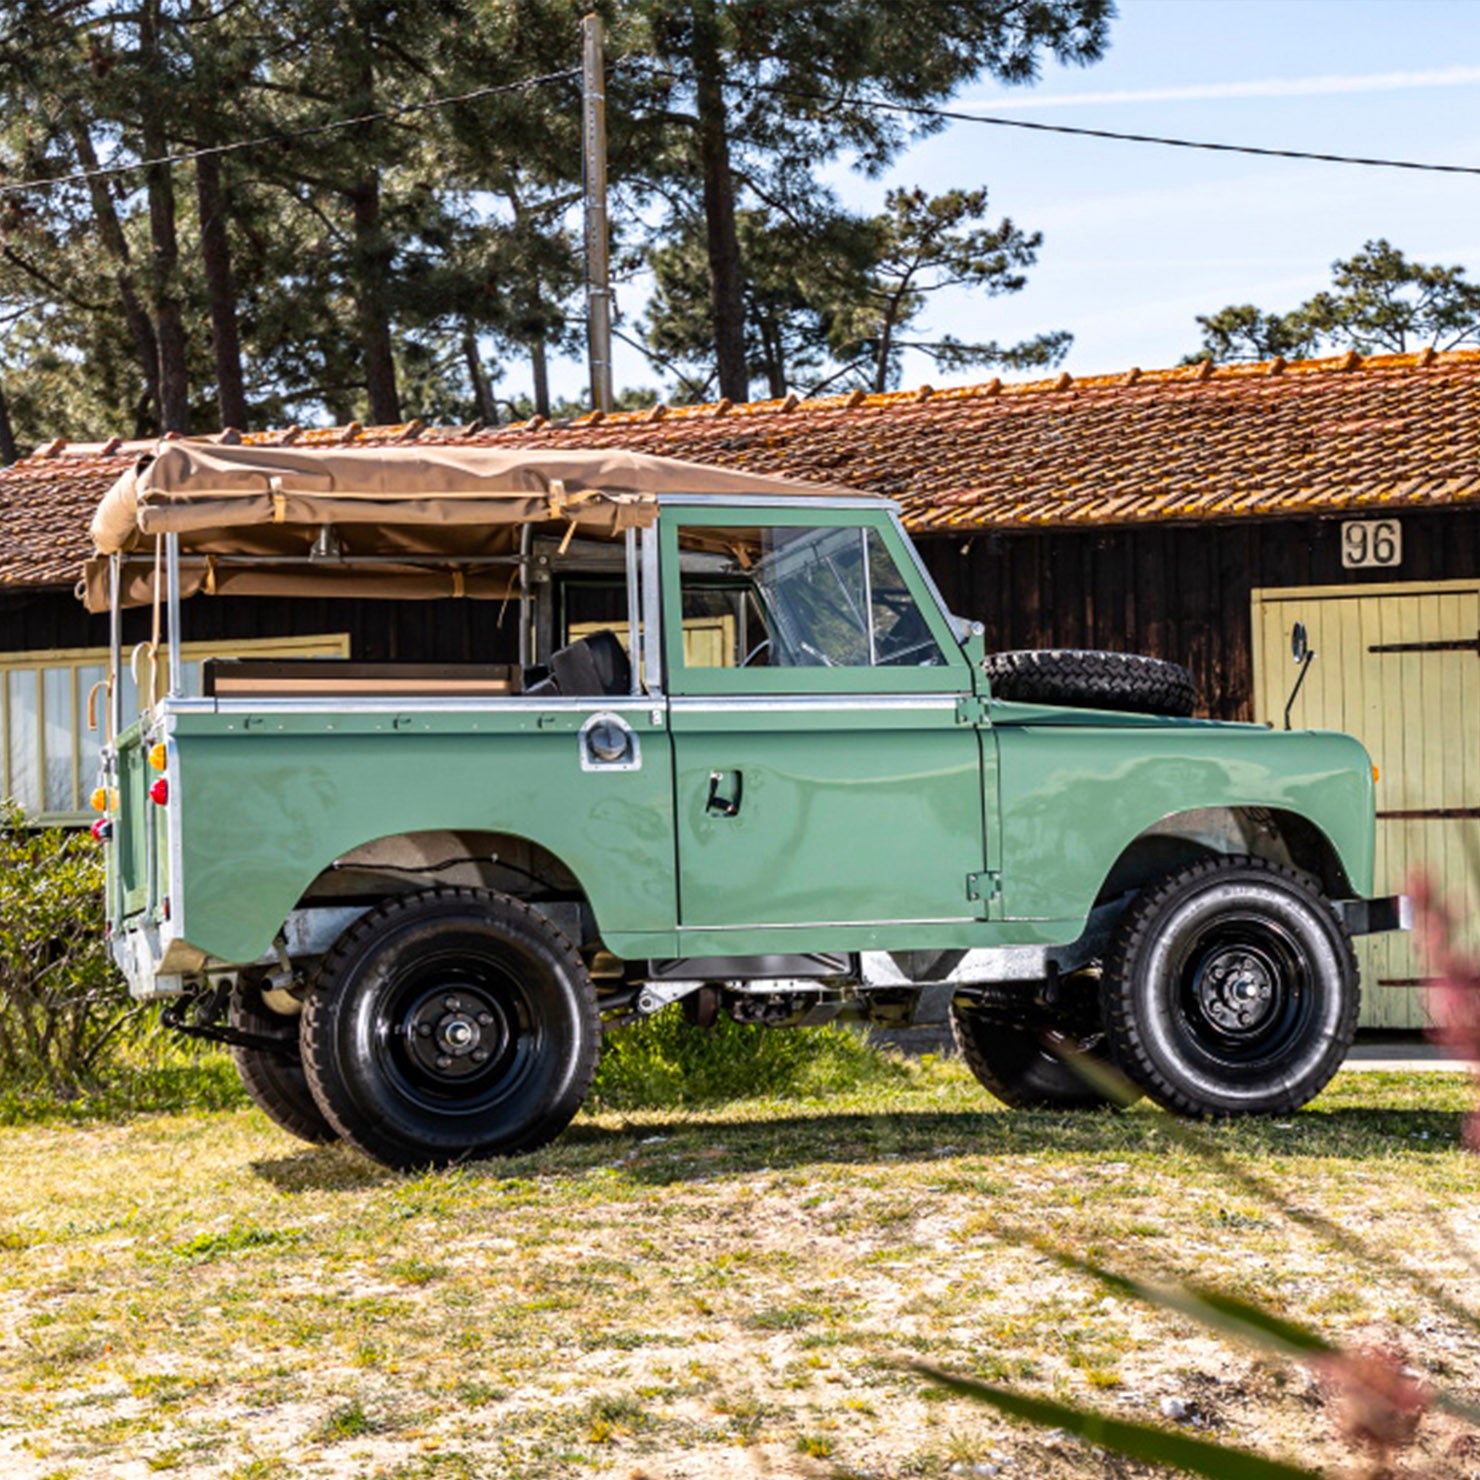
[593, 162]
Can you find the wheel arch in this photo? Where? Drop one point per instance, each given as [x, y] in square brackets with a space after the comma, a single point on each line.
[1274, 834]
[407, 862]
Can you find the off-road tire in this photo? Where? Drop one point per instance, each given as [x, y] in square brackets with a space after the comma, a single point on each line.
[1013, 1059]
[275, 1080]
[450, 1025]
[1231, 988]
[1125, 682]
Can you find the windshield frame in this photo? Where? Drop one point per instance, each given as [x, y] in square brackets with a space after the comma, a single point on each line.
[951, 676]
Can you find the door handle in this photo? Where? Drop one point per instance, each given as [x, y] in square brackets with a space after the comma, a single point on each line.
[724, 806]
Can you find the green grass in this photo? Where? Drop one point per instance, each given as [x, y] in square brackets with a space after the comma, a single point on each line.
[663, 1062]
[197, 1294]
[153, 1073]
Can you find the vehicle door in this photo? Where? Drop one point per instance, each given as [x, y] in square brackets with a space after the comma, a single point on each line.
[827, 768]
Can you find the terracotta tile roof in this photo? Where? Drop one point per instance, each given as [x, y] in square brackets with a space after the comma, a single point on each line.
[1236, 441]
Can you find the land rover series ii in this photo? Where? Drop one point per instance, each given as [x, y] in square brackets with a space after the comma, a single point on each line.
[745, 761]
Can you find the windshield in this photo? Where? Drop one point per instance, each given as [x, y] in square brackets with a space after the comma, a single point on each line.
[783, 597]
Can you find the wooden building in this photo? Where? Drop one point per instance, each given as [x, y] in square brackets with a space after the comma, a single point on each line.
[1194, 513]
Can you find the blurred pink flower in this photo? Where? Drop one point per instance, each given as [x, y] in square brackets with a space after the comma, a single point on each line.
[1453, 985]
[1379, 1403]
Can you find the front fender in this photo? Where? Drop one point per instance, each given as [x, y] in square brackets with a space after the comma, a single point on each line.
[1074, 798]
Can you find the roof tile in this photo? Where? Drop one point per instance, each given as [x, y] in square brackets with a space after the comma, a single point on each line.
[1188, 442]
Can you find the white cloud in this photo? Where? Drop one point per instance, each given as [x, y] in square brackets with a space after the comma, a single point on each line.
[1271, 87]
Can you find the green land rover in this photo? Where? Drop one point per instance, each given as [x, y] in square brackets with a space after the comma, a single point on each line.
[746, 761]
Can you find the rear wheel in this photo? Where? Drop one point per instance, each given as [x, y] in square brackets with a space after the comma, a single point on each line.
[451, 1025]
[1230, 988]
[274, 1077]
[1023, 1055]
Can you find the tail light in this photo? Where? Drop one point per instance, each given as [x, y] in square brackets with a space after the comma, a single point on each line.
[102, 830]
[159, 792]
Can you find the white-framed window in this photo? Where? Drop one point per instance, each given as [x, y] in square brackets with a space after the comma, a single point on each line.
[49, 756]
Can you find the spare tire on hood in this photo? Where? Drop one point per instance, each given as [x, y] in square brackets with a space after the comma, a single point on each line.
[1127, 682]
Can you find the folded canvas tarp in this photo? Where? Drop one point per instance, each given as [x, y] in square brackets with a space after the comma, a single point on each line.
[439, 509]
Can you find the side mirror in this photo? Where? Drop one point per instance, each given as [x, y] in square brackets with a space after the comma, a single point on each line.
[1304, 654]
[974, 644]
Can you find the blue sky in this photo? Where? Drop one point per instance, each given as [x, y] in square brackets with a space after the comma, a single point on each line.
[1139, 239]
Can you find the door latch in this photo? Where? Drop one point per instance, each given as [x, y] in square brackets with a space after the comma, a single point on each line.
[724, 806]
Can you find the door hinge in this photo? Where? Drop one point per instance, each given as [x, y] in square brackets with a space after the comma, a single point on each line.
[970, 710]
[984, 886]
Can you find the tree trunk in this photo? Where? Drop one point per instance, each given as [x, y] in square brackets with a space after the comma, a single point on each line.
[169, 318]
[174, 383]
[482, 393]
[372, 281]
[9, 452]
[541, 372]
[725, 280]
[215, 252]
[775, 366]
[110, 233]
[886, 348]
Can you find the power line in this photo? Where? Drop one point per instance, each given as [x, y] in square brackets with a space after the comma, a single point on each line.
[881, 105]
[919, 110]
[394, 110]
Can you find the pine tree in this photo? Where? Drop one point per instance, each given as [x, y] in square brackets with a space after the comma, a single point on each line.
[757, 95]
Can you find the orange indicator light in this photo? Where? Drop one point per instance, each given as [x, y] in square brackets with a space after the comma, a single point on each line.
[158, 756]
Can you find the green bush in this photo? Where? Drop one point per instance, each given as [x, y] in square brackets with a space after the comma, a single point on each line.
[63, 1005]
[663, 1062]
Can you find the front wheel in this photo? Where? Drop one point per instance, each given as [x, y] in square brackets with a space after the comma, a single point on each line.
[1231, 988]
[450, 1025]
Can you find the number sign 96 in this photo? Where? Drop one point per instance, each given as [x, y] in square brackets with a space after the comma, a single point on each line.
[1368, 542]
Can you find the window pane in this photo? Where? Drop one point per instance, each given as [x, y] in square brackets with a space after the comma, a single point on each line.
[901, 637]
[57, 690]
[91, 740]
[798, 598]
[715, 623]
[805, 586]
[25, 781]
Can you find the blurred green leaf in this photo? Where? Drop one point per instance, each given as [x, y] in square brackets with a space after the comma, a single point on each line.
[1137, 1441]
[1223, 1313]
[1117, 1088]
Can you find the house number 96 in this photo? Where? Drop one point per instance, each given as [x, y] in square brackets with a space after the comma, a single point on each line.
[1368, 542]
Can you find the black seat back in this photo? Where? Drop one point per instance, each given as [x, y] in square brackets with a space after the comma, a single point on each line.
[596, 664]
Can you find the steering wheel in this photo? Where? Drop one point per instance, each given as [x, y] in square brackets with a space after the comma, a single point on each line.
[755, 652]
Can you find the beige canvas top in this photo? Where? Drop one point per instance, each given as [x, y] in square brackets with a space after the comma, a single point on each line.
[440, 509]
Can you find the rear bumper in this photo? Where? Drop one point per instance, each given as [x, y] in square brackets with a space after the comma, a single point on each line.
[1374, 916]
[154, 968]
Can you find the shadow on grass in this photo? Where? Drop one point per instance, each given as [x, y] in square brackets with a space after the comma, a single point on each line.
[668, 1149]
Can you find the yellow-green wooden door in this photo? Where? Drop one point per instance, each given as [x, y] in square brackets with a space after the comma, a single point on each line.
[1398, 667]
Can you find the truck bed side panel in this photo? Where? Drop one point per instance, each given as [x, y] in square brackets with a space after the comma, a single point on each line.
[268, 802]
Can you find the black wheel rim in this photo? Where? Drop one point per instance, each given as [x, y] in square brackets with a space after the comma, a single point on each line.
[1244, 992]
[455, 1031]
